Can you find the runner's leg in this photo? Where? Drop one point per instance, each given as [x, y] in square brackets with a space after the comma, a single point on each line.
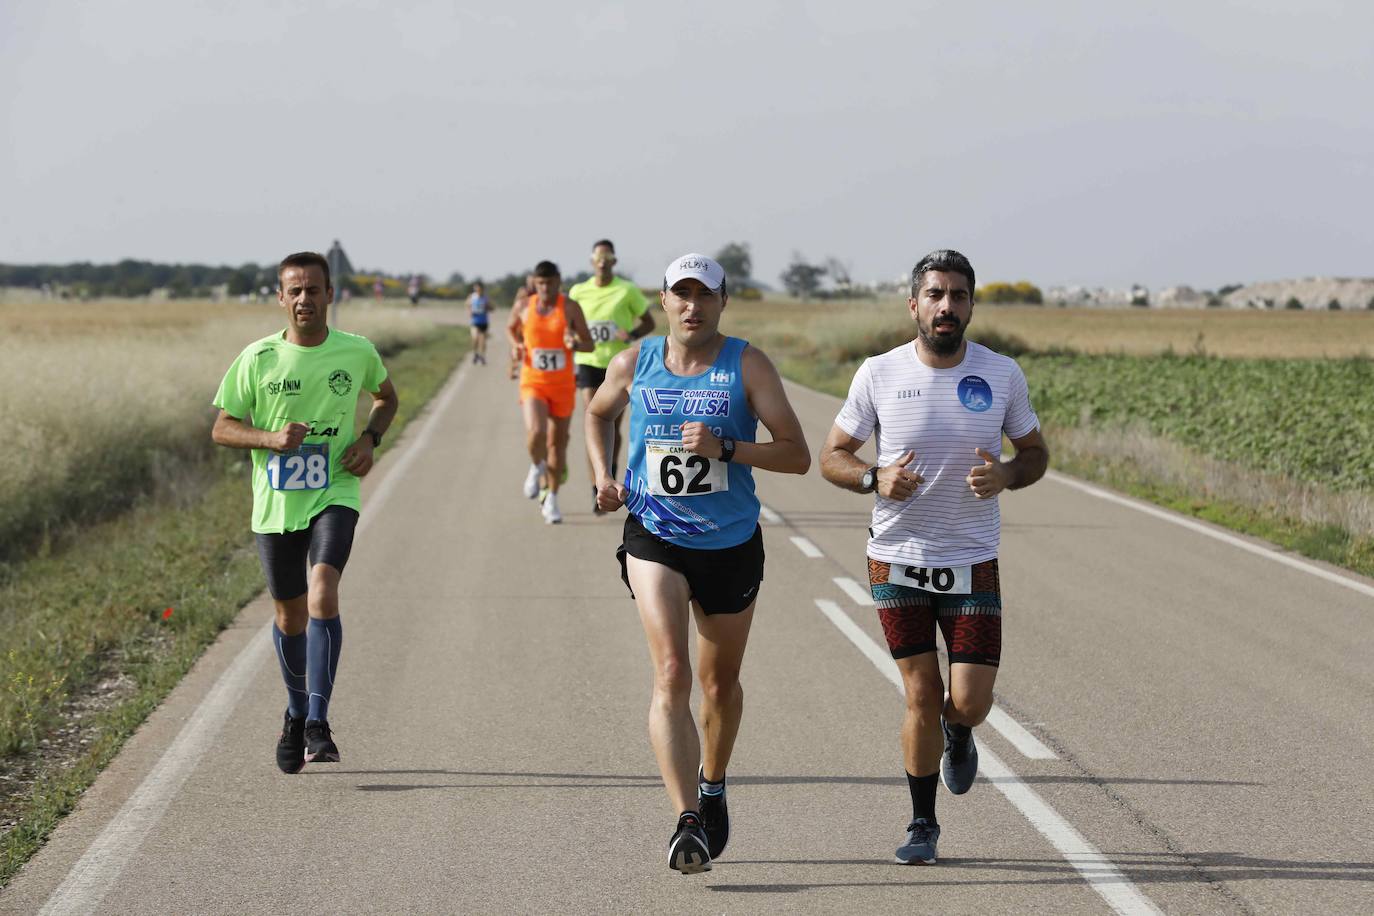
[970, 693]
[536, 413]
[662, 597]
[721, 640]
[922, 740]
[558, 434]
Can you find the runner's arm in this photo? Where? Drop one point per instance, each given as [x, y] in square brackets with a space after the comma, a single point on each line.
[582, 335]
[643, 328]
[357, 458]
[993, 476]
[842, 467]
[1032, 459]
[233, 432]
[605, 406]
[515, 330]
[788, 452]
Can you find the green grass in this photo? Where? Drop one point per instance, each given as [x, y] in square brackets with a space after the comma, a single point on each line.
[96, 604]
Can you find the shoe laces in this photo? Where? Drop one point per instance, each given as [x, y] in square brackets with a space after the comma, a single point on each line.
[919, 832]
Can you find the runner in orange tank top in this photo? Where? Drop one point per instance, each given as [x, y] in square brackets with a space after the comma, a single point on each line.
[543, 331]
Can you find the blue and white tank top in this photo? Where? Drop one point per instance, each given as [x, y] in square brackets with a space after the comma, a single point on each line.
[688, 499]
[479, 305]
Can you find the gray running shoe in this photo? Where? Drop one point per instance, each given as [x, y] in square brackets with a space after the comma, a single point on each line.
[687, 850]
[919, 848]
[959, 765]
[715, 817]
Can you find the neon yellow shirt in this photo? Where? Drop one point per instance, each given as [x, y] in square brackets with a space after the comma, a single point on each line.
[617, 305]
[273, 382]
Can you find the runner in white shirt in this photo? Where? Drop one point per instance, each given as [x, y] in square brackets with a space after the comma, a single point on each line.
[938, 408]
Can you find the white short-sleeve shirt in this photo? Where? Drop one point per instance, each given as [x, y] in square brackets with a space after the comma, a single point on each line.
[943, 415]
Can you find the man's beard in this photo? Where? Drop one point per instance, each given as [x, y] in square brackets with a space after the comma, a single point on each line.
[941, 345]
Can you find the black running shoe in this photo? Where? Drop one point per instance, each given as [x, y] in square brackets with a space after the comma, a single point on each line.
[319, 747]
[921, 838]
[291, 745]
[959, 764]
[715, 817]
[687, 850]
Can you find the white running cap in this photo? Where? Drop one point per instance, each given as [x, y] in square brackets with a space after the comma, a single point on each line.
[696, 266]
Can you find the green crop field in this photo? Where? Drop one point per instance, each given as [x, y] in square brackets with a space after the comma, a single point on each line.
[1312, 420]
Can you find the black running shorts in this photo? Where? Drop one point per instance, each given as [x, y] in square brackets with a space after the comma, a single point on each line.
[590, 376]
[724, 581]
[287, 557]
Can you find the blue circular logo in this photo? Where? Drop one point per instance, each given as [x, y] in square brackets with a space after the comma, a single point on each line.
[974, 393]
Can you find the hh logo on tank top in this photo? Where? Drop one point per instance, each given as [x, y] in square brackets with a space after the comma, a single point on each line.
[704, 403]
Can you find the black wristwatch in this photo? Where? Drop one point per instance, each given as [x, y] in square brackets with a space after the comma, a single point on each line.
[870, 479]
[376, 436]
[727, 449]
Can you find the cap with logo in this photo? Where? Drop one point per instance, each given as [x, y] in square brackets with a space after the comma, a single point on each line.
[697, 267]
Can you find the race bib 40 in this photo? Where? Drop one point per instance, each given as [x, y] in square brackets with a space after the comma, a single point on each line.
[943, 580]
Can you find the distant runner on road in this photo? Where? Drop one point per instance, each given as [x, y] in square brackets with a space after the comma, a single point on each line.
[692, 544]
[479, 308]
[617, 313]
[292, 398]
[544, 330]
[938, 408]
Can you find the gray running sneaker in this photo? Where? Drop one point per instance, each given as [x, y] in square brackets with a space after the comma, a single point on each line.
[715, 817]
[919, 848]
[959, 765]
[687, 850]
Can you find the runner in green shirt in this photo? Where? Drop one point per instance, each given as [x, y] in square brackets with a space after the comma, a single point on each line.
[617, 313]
[292, 398]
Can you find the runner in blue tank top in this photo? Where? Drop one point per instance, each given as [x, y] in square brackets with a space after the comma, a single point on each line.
[692, 544]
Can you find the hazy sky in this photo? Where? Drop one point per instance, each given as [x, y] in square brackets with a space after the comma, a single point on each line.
[1062, 142]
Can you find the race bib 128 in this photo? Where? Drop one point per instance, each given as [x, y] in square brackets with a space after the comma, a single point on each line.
[303, 468]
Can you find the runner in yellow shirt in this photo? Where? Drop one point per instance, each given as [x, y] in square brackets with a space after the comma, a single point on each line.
[617, 314]
[292, 399]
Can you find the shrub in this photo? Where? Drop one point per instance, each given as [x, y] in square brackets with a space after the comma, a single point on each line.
[1293, 303]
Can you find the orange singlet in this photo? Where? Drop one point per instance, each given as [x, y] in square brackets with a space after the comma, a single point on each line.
[547, 372]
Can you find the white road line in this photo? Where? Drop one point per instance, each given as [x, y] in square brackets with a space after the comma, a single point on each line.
[770, 516]
[1005, 725]
[807, 548]
[856, 592]
[94, 874]
[1095, 868]
[1029, 745]
[1268, 553]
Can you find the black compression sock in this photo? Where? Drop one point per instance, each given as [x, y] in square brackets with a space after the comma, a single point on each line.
[923, 795]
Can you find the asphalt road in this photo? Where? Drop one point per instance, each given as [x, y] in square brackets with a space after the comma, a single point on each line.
[1201, 714]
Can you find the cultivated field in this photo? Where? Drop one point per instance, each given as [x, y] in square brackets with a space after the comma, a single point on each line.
[1278, 334]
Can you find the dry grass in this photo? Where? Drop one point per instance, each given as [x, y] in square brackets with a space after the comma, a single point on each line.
[105, 400]
[1160, 461]
[1143, 332]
